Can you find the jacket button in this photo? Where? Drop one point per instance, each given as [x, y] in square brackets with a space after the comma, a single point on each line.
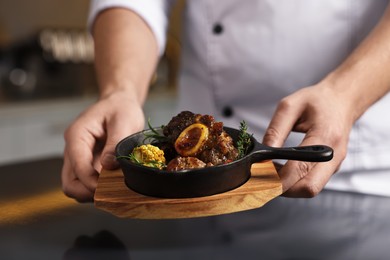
[217, 29]
[227, 112]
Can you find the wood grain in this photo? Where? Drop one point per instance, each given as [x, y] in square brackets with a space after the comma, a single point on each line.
[112, 195]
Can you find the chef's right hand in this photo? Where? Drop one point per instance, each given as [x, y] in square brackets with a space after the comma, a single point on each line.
[91, 139]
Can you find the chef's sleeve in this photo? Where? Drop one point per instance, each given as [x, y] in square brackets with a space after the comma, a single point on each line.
[154, 13]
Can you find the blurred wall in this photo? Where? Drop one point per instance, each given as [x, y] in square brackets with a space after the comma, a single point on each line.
[21, 18]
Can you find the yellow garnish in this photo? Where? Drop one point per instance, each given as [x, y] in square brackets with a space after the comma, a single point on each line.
[148, 155]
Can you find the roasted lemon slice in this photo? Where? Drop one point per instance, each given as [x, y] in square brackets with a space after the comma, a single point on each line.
[191, 140]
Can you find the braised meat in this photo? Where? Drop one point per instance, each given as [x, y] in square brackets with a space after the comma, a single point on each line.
[177, 124]
[222, 151]
[199, 136]
[186, 118]
[185, 163]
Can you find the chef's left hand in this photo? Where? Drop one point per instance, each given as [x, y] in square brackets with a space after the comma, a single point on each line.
[326, 118]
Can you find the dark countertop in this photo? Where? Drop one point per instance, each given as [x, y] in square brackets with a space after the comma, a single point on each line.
[38, 222]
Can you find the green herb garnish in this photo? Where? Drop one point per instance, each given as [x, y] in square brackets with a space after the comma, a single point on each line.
[130, 157]
[147, 155]
[154, 134]
[244, 140]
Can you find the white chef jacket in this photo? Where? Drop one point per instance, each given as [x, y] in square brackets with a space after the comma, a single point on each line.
[240, 58]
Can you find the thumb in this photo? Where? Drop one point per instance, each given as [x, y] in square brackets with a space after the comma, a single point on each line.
[115, 132]
[281, 124]
[108, 158]
[272, 137]
[277, 131]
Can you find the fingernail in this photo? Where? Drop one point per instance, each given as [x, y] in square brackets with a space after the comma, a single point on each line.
[109, 161]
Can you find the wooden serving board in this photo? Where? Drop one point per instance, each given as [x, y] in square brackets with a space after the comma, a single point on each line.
[112, 195]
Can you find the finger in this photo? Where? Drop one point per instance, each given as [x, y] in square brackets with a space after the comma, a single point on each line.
[116, 130]
[307, 179]
[283, 121]
[313, 182]
[79, 147]
[71, 185]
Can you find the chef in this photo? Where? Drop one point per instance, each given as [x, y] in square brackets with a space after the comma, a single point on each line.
[298, 72]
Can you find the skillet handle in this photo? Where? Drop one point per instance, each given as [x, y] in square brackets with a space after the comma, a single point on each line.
[311, 153]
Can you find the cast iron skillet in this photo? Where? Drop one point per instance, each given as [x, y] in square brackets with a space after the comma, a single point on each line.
[210, 180]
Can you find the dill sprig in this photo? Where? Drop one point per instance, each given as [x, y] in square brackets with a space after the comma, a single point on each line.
[244, 140]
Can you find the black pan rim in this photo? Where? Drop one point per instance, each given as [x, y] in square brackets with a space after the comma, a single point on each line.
[196, 171]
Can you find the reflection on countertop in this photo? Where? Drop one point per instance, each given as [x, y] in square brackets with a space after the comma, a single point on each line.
[38, 222]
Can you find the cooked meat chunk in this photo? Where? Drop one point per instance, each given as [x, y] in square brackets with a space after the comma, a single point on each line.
[186, 118]
[221, 152]
[200, 136]
[185, 163]
[177, 124]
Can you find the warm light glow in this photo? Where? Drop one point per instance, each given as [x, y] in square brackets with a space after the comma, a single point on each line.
[25, 210]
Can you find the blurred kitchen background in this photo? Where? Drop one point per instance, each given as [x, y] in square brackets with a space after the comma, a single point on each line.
[47, 75]
[46, 80]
